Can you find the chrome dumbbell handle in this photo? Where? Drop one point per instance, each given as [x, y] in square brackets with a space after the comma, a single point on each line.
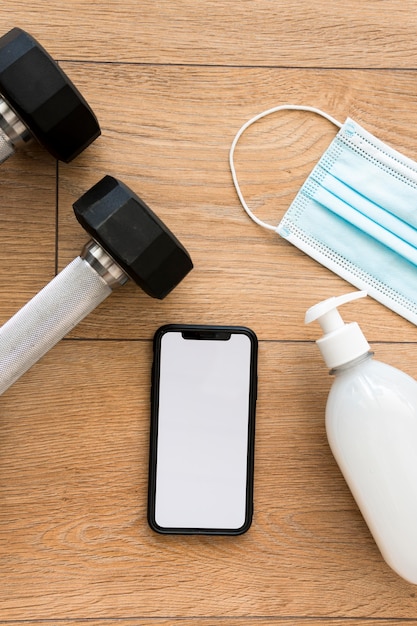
[6, 146]
[55, 310]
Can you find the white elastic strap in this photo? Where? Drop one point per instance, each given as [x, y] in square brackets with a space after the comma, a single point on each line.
[294, 107]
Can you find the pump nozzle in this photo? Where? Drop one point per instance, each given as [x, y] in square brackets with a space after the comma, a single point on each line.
[340, 342]
[329, 307]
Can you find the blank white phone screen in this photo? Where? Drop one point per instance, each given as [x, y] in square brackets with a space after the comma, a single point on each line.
[202, 445]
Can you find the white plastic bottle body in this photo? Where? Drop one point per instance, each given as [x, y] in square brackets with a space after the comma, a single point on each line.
[371, 424]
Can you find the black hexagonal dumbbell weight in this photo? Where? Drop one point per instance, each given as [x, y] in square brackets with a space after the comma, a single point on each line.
[129, 241]
[38, 100]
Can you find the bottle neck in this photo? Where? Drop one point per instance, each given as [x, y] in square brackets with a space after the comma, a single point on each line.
[347, 366]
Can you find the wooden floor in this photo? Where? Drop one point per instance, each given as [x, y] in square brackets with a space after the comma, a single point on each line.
[171, 82]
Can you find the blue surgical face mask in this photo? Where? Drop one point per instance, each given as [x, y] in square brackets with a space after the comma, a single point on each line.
[356, 214]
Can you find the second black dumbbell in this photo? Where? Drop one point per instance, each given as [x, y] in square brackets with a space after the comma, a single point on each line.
[129, 242]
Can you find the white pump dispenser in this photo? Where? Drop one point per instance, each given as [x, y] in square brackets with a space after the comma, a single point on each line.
[341, 342]
[371, 425]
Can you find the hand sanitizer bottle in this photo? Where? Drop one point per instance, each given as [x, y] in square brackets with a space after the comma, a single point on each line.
[371, 424]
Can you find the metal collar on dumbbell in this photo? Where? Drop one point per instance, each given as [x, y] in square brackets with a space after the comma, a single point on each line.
[13, 131]
[104, 265]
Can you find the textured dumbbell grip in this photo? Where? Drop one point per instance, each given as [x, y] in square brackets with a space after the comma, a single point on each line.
[6, 147]
[48, 317]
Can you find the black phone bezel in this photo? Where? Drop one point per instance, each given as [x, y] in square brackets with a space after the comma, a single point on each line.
[202, 332]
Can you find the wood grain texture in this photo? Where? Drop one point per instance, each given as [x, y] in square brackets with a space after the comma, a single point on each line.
[27, 227]
[224, 621]
[237, 32]
[74, 537]
[169, 139]
[171, 82]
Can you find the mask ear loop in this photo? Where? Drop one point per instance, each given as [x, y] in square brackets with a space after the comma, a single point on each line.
[294, 107]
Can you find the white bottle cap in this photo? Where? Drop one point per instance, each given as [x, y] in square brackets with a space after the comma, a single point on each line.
[341, 342]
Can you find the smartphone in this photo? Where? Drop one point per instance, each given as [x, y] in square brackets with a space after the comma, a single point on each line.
[204, 386]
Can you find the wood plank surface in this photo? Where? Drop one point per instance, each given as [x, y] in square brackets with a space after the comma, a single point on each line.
[236, 32]
[171, 82]
[73, 476]
[179, 133]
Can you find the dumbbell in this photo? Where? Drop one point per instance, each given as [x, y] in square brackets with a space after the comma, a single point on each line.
[38, 100]
[128, 241]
